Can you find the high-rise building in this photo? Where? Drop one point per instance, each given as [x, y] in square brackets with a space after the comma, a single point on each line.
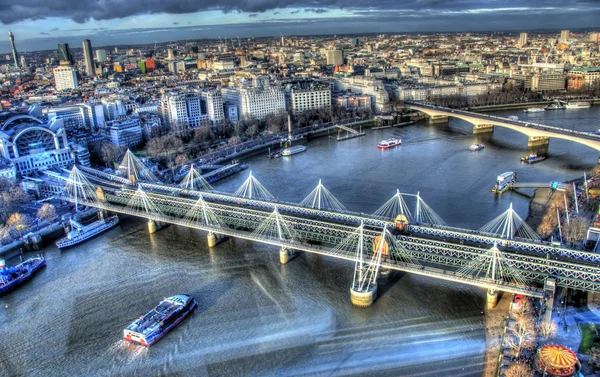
[335, 57]
[354, 42]
[170, 55]
[262, 101]
[23, 62]
[522, 39]
[65, 77]
[11, 37]
[90, 68]
[282, 41]
[100, 55]
[564, 36]
[214, 105]
[64, 54]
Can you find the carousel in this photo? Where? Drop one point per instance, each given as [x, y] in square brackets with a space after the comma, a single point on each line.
[557, 360]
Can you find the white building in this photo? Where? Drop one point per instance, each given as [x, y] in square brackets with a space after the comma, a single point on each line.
[125, 132]
[35, 145]
[214, 105]
[181, 110]
[100, 55]
[366, 85]
[231, 111]
[260, 102]
[304, 96]
[65, 77]
[113, 108]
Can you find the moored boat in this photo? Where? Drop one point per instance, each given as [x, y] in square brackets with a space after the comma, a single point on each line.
[532, 158]
[555, 106]
[389, 143]
[12, 277]
[80, 233]
[577, 105]
[152, 326]
[293, 150]
[476, 147]
[534, 110]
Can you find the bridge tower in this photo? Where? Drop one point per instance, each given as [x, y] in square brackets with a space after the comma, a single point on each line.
[276, 228]
[363, 291]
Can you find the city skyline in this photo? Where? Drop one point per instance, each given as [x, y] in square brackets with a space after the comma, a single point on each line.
[41, 28]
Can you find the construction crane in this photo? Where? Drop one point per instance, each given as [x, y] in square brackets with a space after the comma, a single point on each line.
[239, 43]
[154, 49]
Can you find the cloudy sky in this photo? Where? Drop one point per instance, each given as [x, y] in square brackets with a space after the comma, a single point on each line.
[41, 24]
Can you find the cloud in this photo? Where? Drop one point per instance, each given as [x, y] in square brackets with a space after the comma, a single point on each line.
[276, 13]
[54, 29]
[295, 12]
[42, 33]
[175, 23]
[253, 15]
[316, 10]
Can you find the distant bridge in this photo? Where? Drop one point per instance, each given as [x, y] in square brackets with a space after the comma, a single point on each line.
[538, 134]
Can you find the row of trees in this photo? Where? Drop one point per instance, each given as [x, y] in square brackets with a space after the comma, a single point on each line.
[17, 222]
[500, 97]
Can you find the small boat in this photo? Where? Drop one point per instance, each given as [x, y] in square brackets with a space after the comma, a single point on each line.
[476, 147]
[555, 106]
[577, 105]
[534, 110]
[148, 329]
[532, 158]
[80, 233]
[275, 154]
[12, 277]
[389, 143]
[293, 150]
[513, 117]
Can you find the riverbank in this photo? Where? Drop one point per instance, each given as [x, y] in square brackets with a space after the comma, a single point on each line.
[538, 206]
[495, 327]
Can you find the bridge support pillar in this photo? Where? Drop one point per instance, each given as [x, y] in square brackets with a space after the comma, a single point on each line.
[492, 299]
[286, 255]
[538, 141]
[154, 226]
[213, 239]
[102, 214]
[483, 129]
[363, 299]
[435, 119]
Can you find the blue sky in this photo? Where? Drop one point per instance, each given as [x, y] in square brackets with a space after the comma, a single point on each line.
[41, 24]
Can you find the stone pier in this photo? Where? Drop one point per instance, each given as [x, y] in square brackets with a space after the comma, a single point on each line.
[363, 299]
[538, 141]
[154, 226]
[213, 239]
[492, 299]
[286, 255]
[483, 129]
[435, 119]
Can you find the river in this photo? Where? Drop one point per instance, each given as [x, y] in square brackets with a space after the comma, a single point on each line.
[257, 317]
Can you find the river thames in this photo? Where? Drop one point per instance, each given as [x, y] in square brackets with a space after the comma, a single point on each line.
[257, 317]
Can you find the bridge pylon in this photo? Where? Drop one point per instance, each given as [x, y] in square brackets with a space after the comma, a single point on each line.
[363, 291]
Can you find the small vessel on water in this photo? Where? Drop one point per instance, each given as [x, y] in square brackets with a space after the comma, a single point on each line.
[532, 158]
[149, 328]
[80, 233]
[389, 143]
[555, 106]
[513, 117]
[577, 105]
[503, 180]
[534, 110]
[476, 147]
[12, 277]
[293, 150]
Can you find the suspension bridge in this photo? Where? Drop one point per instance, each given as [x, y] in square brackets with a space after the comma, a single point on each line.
[404, 234]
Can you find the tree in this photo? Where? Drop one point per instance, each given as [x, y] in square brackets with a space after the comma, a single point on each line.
[234, 140]
[111, 153]
[575, 230]
[18, 221]
[518, 370]
[181, 159]
[547, 328]
[523, 334]
[594, 354]
[251, 131]
[46, 212]
[165, 147]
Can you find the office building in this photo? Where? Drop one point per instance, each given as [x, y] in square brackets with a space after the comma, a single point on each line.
[64, 54]
[181, 110]
[260, 102]
[564, 36]
[65, 77]
[214, 105]
[354, 42]
[90, 68]
[170, 55]
[100, 55]
[302, 96]
[522, 39]
[15, 55]
[335, 57]
[124, 132]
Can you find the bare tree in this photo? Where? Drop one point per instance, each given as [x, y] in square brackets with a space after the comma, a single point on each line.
[111, 153]
[518, 370]
[46, 212]
[594, 354]
[547, 328]
[523, 333]
[234, 140]
[575, 230]
[165, 147]
[251, 131]
[181, 159]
